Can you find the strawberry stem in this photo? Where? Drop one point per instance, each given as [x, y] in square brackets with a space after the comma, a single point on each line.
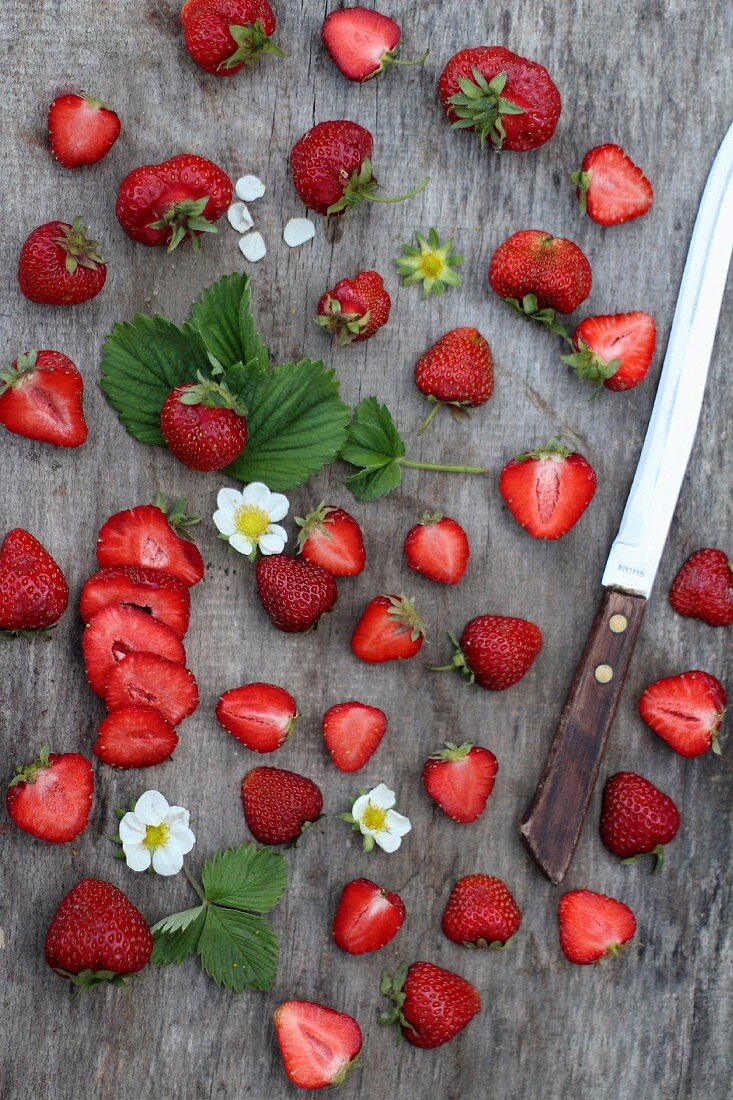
[445, 469]
[405, 62]
[430, 417]
[371, 197]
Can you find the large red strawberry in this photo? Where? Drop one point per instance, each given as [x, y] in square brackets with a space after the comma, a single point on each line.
[549, 272]
[353, 732]
[52, 798]
[501, 97]
[294, 593]
[331, 537]
[118, 630]
[135, 737]
[495, 651]
[548, 490]
[354, 309]
[318, 1045]
[81, 130]
[610, 187]
[367, 917]
[431, 1004]
[703, 588]
[60, 266]
[685, 711]
[279, 805]
[41, 397]
[178, 200]
[593, 926]
[154, 537]
[457, 371]
[389, 629]
[143, 679]
[33, 589]
[222, 36]
[636, 817]
[204, 425]
[613, 350]
[460, 778]
[97, 935]
[160, 594]
[438, 549]
[362, 42]
[261, 716]
[481, 912]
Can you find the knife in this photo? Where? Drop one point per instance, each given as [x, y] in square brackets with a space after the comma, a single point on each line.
[552, 823]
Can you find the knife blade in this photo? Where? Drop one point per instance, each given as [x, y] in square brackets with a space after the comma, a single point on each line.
[553, 821]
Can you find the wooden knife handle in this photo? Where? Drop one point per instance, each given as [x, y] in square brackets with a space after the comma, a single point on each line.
[552, 823]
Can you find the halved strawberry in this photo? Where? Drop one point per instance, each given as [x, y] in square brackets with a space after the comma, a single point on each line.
[366, 917]
[614, 350]
[352, 732]
[146, 680]
[685, 711]
[610, 187]
[149, 535]
[548, 490]
[136, 737]
[81, 130]
[318, 1045]
[41, 397]
[362, 42]
[161, 595]
[261, 716]
[438, 549]
[389, 629]
[52, 798]
[460, 779]
[593, 925]
[332, 538]
[116, 631]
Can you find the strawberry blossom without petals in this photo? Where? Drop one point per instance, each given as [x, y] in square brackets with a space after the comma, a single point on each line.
[248, 520]
[372, 815]
[156, 834]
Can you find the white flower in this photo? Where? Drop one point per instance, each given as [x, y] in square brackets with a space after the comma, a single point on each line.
[248, 520]
[156, 833]
[239, 217]
[298, 231]
[249, 188]
[377, 821]
[252, 246]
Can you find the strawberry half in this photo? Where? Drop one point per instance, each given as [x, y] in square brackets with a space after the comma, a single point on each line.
[135, 737]
[548, 490]
[33, 588]
[362, 43]
[332, 538]
[460, 779]
[703, 588]
[353, 732]
[41, 397]
[279, 805]
[613, 350]
[592, 926]
[367, 918]
[147, 680]
[117, 631]
[317, 1045]
[81, 130]
[151, 536]
[438, 549]
[685, 711]
[261, 716]
[610, 187]
[389, 629]
[161, 595]
[481, 912]
[52, 798]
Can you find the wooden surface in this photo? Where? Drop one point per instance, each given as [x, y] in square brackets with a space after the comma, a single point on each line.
[654, 1025]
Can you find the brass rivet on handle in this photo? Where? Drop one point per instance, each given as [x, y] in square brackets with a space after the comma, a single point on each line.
[617, 624]
[603, 674]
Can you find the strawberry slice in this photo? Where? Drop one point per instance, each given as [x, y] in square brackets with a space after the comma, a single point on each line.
[610, 187]
[146, 680]
[161, 595]
[149, 535]
[613, 350]
[52, 798]
[362, 42]
[593, 925]
[352, 732]
[117, 631]
[548, 490]
[367, 917]
[261, 716]
[41, 397]
[460, 779]
[685, 711]
[318, 1045]
[332, 538]
[136, 737]
[438, 549]
[81, 129]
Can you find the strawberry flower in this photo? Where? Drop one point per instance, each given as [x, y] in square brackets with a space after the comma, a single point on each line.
[374, 817]
[248, 520]
[155, 833]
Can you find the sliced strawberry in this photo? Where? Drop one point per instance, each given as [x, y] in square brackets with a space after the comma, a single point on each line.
[460, 779]
[81, 130]
[611, 187]
[146, 680]
[52, 798]
[136, 737]
[352, 732]
[116, 631]
[593, 925]
[438, 549]
[685, 711]
[261, 716]
[361, 42]
[366, 917]
[148, 536]
[161, 595]
[318, 1045]
[548, 490]
[41, 397]
[613, 350]
[332, 538]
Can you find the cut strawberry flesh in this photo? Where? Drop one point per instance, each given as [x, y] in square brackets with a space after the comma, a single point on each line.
[626, 338]
[357, 39]
[618, 190]
[143, 679]
[548, 495]
[366, 918]
[439, 551]
[353, 732]
[136, 737]
[116, 631]
[685, 710]
[56, 803]
[143, 536]
[159, 594]
[593, 925]
[317, 1044]
[462, 787]
[261, 716]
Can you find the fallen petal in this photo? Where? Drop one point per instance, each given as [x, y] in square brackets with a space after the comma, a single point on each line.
[249, 188]
[298, 231]
[252, 246]
[239, 217]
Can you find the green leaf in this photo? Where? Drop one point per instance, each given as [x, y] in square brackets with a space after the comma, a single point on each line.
[373, 443]
[223, 319]
[249, 878]
[176, 937]
[238, 950]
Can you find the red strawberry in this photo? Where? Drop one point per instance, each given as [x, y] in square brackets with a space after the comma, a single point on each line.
[367, 918]
[116, 631]
[161, 595]
[481, 912]
[460, 779]
[178, 200]
[389, 630]
[135, 737]
[613, 350]
[318, 1045]
[146, 680]
[551, 271]
[438, 549]
[60, 266]
[332, 538]
[52, 797]
[81, 130]
[261, 716]
[685, 711]
[204, 425]
[33, 590]
[294, 593]
[222, 36]
[548, 490]
[362, 42]
[592, 926]
[500, 96]
[152, 537]
[636, 817]
[610, 187]
[431, 1005]
[279, 805]
[353, 732]
[495, 651]
[458, 371]
[97, 935]
[703, 588]
[41, 398]
[354, 309]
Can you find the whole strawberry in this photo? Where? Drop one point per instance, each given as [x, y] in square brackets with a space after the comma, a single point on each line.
[551, 271]
[330, 537]
[51, 798]
[81, 130]
[457, 371]
[547, 490]
[481, 912]
[294, 593]
[495, 651]
[204, 425]
[33, 589]
[637, 818]
[279, 805]
[703, 588]
[60, 266]
[354, 309]
[431, 1005]
[41, 397]
[222, 36]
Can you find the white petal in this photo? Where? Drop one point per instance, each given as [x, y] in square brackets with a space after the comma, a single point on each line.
[241, 543]
[278, 507]
[167, 860]
[272, 542]
[182, 837]
[298, 231]
[360, 806]
[132, 830]
[228, 498]
[178, 814]
[388, 842]
[239, 217]
[249, 188]
[224, 521]
[136, 856]
[252, 247]
[382, 797]
[397, 824]
[257, 494]
[151, 808]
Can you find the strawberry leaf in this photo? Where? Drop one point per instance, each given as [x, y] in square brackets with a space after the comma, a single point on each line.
[176, 937]
[223, 319]
[248, 879]
[238, 950]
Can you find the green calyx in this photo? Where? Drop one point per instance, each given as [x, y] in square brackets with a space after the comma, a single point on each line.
[80, 250]
[176, 515]
[28, 772]
[404, 615]
[528, 308]
[393, 986]
[459, 411]
[581, 181]
[347, 325]
[554, 449]
[459, 661]
[589, 366]
[453, 752]
[361, 187]
[480, 106]
[315, 521]
[14, 375]
[252, 43]
[430, 519]
[431, 263]
[185, 219]
[90, 979]
[212, 395]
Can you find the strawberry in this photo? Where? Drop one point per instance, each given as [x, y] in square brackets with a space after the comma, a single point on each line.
[593, 926]
[161, 595]
[261, 716]
[204, 425]
[610, 187]
[332, 538]
[33, 590]
[460, 779]
[332, 168]
[222, 36]
[41, 398]
[279, 805]
[551, 271]
[362, 42]
[146, 680]
[685, 711]
[118, 630]
[703, 588]
[135, 737]
[353, 732]
[178, 200]
[60, 266]
[501, 96]
[354, 309]
[431, 1004]
[495, 651]
[547, 490]
[97, 935]
[457, 371]
[81, 130]
[481, 912]
[613, 350]
[637, 818]
[154, 538]
[389, 630]
[367, 918]
[52, 798]
[438, 549]
[318, 1045]
[294, 593]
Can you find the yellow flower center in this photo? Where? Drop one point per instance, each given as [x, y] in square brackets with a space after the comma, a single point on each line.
[431, 265]
[374, 818]
[156, 836]
[251, 521]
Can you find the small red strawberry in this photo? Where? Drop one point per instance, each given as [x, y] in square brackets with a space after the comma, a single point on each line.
[431, 1005]
[222, 36]
[318, 1045]
[551, 272]
[703, 588]
[60, 266]
[331, 537]
[154, 537]
[261, 716]
[146, 680]
[389, 630]
[362, 42]
[118, 630]
[204, 425]
[41, 398]
[279, 805]
[161, 595]
[367, 918]
[353, 732]
[294, 593]
[685, 711]
[97, 935]
[354, 309]
[460, 779]
[613, 350]
[52, 798]
[548, 490]
[481, 912]
[610, 187]
[495, 651]
[438, 549]
[593, 926]
[81, 130]
[135, 737]
[33, 589]
[637, 818]
[457, 371]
